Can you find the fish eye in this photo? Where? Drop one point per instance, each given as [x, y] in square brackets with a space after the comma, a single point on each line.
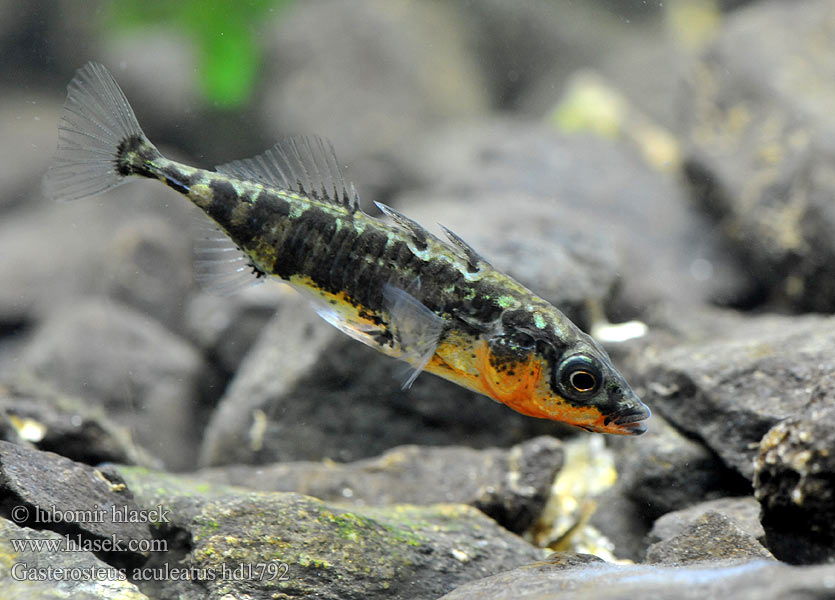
[582, 381]
[580, 375]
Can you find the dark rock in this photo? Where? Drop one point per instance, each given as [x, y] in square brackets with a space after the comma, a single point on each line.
[760, 134]
[36, 416]
[306, 392]
[743, 511]
[794, 480]
[46, 491]
[29, 573]
[729, 391]
[667, 471]
[326, 552]
[753, 580]
[145, 376]
[511, 486]
[579, 195]
[711, 536]
[623, 521]
[662, 471]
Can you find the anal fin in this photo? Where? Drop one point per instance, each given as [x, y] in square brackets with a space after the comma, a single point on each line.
[362, 332]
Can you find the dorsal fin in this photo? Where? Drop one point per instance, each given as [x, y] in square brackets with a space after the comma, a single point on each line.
[419, 234]
[474, 259]
[303, 164]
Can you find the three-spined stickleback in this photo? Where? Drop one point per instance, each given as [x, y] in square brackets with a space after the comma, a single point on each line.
[391, 284]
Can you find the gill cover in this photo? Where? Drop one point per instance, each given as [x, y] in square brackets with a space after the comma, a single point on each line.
[511, 369]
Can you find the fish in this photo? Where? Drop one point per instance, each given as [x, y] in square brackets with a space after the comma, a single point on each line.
[289, 215]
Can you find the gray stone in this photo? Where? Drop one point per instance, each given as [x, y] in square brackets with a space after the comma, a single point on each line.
[29, 573]
[307, 392]
[569, 560]
[794, 480]
[309, 548]
[623, 521]
[46, 491]
[37, 416]
[579, 197]
[761, 146]
[744, 511]
[144, 375]
[752, 580]
[667, 471]
[729, 391]
[711, 536]
[511, 486]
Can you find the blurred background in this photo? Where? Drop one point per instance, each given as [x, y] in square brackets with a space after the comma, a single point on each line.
[652, 157]
[221, 79]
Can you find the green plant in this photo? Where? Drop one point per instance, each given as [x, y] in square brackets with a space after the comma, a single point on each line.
[223, 31]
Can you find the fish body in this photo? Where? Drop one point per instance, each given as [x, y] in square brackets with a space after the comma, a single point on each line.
[390, 284]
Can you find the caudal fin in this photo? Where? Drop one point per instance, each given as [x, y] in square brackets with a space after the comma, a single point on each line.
[95, 125]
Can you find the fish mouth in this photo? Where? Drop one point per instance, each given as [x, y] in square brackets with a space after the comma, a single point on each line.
[633, 427]
[629, 423]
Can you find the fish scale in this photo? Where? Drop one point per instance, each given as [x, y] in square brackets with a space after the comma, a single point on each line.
[390, 284]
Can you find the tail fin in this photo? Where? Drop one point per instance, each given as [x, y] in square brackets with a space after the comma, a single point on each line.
[95, 125]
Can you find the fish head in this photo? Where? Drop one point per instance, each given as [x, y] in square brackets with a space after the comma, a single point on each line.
[561, 374]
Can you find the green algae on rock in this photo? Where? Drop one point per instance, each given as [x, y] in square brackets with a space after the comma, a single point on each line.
[324, 551]
[509, 485]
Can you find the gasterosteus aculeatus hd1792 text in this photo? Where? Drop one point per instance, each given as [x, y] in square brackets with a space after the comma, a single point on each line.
[390, 284]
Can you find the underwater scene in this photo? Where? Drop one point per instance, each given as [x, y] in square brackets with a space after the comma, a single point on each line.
[417, 299]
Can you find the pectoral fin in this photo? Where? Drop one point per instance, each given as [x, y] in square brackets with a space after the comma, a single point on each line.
[416, 329]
